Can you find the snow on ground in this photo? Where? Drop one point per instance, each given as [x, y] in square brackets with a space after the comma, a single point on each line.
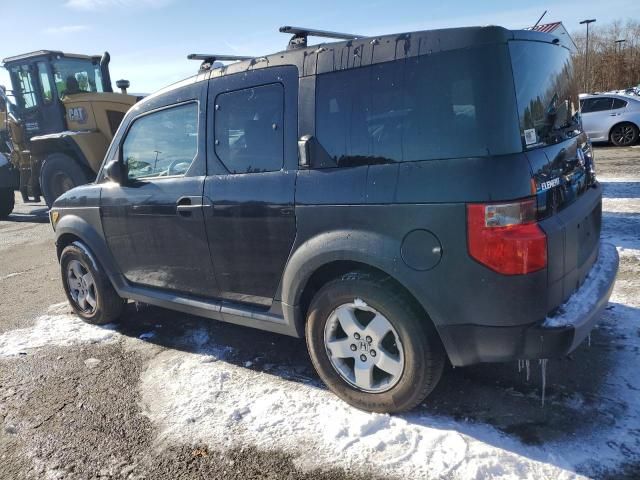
[201, 397]
[58, 328]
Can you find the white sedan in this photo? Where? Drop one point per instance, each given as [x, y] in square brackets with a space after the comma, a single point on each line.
[611, 118]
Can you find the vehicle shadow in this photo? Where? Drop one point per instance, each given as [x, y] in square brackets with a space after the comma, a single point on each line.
[585, 392]
[37, 215]
[620, 189]
[621, 229]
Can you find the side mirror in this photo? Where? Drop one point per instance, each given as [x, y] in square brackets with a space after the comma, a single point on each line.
[115, 171]
[311, 154]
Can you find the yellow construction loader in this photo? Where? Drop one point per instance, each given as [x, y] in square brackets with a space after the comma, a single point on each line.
[62, 118]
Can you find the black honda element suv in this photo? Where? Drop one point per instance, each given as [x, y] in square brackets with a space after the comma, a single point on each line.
[399, 201]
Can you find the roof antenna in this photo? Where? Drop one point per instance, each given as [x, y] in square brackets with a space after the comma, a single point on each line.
[300, 34]
[543, 14]
[208, 59]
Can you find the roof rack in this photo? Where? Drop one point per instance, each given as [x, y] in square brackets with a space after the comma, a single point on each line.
[209, 58]
[300, 34]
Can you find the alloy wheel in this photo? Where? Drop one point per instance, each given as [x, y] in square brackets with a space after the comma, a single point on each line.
[82, 287]
[363, 347]
[623, 135]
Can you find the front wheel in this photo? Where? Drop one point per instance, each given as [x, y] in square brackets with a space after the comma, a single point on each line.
[59, 174]
[7, 202]
[88, 288]
[371, 346]
[624, 135]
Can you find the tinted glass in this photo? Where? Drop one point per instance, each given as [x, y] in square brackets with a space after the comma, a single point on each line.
[444, 105]
[546, 92]
[597, 104]
[249, 129]
[162, 143]
[73, 75]
[618, 103]
[47, 93]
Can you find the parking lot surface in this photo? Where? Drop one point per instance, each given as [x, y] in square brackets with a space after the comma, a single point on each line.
[167, 395]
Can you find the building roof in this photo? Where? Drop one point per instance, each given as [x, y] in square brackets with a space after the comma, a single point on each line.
[545, 27]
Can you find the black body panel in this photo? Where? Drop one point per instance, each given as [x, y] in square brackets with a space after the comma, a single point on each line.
[248, 253]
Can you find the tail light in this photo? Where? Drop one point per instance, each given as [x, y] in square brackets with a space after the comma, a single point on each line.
[506, 238]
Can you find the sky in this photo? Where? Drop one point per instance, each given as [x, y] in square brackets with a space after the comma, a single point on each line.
[149, 40]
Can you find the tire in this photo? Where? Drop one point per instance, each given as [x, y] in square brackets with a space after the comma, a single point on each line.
[7, 202]
[101, 304]
[59, 174]
[624, 134]
[417, 346]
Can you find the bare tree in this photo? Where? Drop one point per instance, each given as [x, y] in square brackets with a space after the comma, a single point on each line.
[612, 65]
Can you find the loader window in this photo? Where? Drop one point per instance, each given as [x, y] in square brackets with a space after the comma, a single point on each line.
[75, 75]
[27, 92]
[47, 93]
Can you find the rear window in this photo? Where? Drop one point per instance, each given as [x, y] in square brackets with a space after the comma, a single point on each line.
[546, 92]
[445, 105]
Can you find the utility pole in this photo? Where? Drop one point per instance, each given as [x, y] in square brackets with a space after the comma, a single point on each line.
[586, 54]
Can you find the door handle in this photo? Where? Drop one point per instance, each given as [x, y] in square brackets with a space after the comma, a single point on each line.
[185, 206]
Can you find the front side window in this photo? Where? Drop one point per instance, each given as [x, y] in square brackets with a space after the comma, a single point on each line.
[445, 105]
[47, 93]
[74, 75]
[546, 92]
[27, 92]
[249, 129]
[162, 143]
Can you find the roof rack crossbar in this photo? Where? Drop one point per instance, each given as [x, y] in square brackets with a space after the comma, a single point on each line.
[209, 58]
[300, 34]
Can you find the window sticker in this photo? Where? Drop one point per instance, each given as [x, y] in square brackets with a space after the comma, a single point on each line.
[530, 136]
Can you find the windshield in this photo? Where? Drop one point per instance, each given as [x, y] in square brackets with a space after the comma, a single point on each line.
[546, 92]
[73, 75]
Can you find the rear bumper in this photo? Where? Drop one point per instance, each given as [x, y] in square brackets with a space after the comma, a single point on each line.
[554, 336]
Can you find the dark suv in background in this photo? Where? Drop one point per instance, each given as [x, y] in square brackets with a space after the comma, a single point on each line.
[398, 201]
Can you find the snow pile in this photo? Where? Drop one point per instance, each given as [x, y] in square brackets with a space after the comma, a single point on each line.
[56, 328]
[587, 296]
[199, 397]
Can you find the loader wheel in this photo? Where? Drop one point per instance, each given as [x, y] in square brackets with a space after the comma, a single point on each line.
[7, 202]
[59, 174]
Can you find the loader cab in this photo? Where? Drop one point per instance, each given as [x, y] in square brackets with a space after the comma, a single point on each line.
[40, 80]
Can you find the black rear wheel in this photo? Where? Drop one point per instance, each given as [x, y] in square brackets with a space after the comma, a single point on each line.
[7, 202]
[59, 174]
[624, 134]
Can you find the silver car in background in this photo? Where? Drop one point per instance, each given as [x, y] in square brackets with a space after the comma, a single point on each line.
[611, 118]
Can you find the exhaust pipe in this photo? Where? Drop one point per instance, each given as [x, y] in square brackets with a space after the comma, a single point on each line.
[104, 70]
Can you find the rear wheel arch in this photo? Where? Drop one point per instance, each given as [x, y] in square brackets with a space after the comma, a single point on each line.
[342, 268]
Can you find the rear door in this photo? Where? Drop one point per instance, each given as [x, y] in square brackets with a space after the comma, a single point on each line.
[154, 224]
[596, 117]
[252, 162]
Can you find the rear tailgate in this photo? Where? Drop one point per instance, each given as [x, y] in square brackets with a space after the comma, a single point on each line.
[570, 213]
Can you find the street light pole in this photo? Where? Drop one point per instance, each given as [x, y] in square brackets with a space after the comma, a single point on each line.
[619, 59]
[586, 54]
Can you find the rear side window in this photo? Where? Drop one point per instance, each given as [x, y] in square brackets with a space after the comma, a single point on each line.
[446, 105]
[618, 103]
[162, 143]
[249, 129]
[597, 104]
